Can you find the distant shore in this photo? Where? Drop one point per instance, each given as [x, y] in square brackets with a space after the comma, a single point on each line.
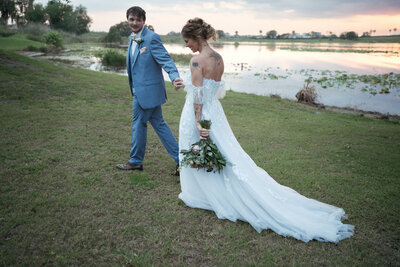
[374, 39]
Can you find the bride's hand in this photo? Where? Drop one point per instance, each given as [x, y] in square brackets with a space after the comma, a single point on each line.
[204, 133]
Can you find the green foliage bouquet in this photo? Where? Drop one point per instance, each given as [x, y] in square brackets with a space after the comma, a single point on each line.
[204, 154]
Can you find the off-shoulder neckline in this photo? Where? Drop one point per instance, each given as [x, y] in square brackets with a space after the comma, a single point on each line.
[212, 80]
[204, 78]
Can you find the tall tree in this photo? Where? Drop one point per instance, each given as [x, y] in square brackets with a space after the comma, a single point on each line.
[82, 20]
[36, 14]
[272, 34]
[220, 33]
[21, 6]
[7, 8]
[60, 15]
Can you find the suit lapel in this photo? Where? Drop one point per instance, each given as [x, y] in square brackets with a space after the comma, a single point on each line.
[136, 53]
[129, 55]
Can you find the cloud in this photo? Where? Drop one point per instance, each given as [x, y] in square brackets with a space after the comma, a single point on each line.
[326, 8]
[270, 8]
[238, 5]
[288, 11]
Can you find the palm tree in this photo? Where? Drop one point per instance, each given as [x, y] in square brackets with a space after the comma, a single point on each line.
[260, 32]
[390, 31]
[394, 29]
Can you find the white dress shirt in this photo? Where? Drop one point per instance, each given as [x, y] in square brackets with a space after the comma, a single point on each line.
[135, 36]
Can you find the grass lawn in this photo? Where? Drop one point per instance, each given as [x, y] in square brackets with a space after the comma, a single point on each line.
[63, 202]
[17, 42]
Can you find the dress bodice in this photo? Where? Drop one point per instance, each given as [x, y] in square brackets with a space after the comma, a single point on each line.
[204, 94]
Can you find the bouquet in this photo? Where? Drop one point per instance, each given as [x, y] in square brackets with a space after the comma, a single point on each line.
[204, 154]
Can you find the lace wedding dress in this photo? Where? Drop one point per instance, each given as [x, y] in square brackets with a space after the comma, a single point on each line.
[242, 190]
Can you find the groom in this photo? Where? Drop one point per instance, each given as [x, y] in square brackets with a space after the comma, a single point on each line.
[146, 56]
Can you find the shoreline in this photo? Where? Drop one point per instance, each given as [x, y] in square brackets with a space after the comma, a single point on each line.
[345, 110]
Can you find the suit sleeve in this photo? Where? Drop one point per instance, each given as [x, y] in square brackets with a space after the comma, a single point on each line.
[127, 63]
[162, 57]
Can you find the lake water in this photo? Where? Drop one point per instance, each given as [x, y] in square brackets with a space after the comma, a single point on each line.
[344, 75]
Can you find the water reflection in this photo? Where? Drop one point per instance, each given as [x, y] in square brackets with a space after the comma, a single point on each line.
[266, 69]
[270, 68]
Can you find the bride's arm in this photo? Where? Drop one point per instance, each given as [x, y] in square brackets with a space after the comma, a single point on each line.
[197, 80]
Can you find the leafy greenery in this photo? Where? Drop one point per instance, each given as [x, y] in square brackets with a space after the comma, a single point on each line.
[117, 32]
[63, 202]
[62, 16]
[203, 154]
[36, 14]
[5, 32]
[379, 83]
[349, 35]
[53, 38]
[112, 58]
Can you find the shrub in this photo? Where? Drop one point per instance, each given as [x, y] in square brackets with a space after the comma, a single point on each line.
[112, 58]
[36, 38]
[32, 48]
[34, 29]
[5, 32]
[53, 38]
[307, 94]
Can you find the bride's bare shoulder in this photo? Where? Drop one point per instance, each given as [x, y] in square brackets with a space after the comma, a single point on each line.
[196, 61]
[214, 55]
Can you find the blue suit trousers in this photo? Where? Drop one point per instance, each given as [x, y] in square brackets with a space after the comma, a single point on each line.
[139, 132]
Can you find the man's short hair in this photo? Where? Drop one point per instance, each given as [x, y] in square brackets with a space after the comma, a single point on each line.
[136, 11]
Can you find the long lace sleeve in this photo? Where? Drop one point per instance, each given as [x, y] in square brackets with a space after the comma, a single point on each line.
[195, 93]
[198, 94]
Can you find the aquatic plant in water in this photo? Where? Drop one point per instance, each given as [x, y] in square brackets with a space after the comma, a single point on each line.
[379, 83]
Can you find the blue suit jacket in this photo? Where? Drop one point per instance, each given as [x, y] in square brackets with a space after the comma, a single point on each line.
[144, 69]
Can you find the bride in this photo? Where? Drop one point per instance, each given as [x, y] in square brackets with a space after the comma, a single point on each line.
[242, 190]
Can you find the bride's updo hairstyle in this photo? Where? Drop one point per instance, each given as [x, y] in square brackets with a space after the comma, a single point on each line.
[197, 29]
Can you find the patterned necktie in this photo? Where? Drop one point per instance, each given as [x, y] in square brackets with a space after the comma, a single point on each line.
[134, 44]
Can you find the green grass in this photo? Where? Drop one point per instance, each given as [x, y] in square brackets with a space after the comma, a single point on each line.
[18, 42]
[181, 58]
[63, 202]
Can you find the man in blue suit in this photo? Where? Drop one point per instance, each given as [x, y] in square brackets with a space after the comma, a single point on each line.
[145, 60]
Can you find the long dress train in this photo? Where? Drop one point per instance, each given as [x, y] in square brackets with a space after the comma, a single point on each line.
[242, 190]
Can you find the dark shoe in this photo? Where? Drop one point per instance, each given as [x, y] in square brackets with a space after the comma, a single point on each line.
[128, 166]
[176, 172]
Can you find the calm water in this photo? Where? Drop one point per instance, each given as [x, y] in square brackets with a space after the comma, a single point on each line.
[273, 69]
[282, 68]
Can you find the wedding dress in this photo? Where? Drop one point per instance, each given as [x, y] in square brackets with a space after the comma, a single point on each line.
[242, 190]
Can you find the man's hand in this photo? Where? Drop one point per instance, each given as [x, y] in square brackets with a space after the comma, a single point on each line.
[178, 83]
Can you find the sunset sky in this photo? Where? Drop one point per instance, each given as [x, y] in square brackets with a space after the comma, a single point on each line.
[251, 16]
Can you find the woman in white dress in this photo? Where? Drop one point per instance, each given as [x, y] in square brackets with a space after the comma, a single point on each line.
[242, 190]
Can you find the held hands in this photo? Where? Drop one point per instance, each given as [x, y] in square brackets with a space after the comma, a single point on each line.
[178, 83]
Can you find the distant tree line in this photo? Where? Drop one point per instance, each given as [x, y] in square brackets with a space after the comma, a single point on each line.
[120, 31]
[59, 14]
[273, 34]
